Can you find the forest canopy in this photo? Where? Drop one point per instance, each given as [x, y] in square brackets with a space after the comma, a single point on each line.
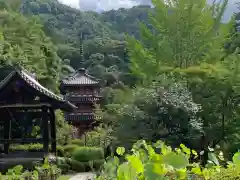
[170, 72]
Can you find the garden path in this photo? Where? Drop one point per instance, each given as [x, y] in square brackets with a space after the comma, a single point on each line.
[83, 176]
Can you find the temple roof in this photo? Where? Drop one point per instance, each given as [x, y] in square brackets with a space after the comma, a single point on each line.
[29, 79]
[80, 77]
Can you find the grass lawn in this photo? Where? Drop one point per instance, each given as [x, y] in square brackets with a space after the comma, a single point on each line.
[64, 177]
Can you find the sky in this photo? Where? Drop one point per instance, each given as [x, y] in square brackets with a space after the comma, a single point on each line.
[104, 5]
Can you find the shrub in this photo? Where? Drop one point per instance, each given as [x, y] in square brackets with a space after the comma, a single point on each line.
[68, 164]
[77, 166]
[78, 142]
[62, 164]
[100, 136]
[27, 147]
[85, 154]
[97, 164]
[64, 168]
[69, 149]
[227, 174]
[45, 171]
[64, 130]
[94, 165]
[88, 166]
[35, 148]
[60, 151]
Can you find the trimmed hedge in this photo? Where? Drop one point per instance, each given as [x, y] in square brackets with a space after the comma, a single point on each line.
[86, 154]
[68, 164]
[35, 148]
[27, 147]
[77, 166]
[69, 149]
[78, 142]
[94, 165]
[97, 164]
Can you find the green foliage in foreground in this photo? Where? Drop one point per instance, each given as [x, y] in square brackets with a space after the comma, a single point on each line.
[160, 162]
[45, 171]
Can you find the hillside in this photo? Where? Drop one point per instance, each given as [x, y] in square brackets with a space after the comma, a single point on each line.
[104, 50]
[103, 33]
[67, 22]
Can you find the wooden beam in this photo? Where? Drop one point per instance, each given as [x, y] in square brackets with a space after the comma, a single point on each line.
[26, 106]
[45, 129]
[53, 131]
[7, 134]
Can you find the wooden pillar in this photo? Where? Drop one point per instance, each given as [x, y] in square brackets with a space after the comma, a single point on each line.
[45, 129]
[53, 131]
[7, 134]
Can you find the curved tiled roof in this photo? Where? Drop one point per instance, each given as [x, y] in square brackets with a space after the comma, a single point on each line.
[80, 77]
[29, 79]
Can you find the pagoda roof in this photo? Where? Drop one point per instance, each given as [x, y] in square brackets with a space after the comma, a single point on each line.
[58, 100]
[80, 77]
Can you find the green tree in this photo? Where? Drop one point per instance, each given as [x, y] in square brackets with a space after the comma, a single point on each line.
[183, 33]
[186, 44]
[25, 44]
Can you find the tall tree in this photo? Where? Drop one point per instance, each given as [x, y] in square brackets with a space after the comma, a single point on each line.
[25, 44]
[183, 33]
[186, 43]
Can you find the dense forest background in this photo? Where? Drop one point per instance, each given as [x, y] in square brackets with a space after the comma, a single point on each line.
[180, 85]
[103, 35]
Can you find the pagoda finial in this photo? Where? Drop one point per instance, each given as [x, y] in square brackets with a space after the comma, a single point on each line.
[81, 39]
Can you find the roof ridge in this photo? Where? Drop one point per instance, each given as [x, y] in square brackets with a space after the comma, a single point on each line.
[70, 76]
[25, 75]
[78, 76]
[7, 78]
[90, 76]
[48, 91]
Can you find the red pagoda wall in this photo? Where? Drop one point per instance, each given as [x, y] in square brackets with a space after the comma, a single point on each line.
[83, 106]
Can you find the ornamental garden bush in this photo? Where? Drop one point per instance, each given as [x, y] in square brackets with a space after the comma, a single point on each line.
[78, 142]
[27, 147]
[67, 165]
[158, 161]
[69, 149]
[91, 157]
[35, 147]
[86, 154]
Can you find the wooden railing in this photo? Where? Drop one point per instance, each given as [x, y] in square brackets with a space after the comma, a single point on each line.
[82, 98]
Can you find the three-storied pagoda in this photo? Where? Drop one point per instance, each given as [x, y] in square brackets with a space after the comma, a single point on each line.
[82, 90]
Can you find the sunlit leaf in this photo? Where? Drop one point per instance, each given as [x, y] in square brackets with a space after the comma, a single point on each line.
[136, 163]
[236, 159]
[185, 149]
[212, 157]
[120, 151]
[178, 161]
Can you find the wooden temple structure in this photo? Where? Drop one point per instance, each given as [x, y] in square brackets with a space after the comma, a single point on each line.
[82, 90]
[25, 103]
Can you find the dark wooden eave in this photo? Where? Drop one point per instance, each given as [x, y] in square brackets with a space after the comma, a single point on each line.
[58, 100]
